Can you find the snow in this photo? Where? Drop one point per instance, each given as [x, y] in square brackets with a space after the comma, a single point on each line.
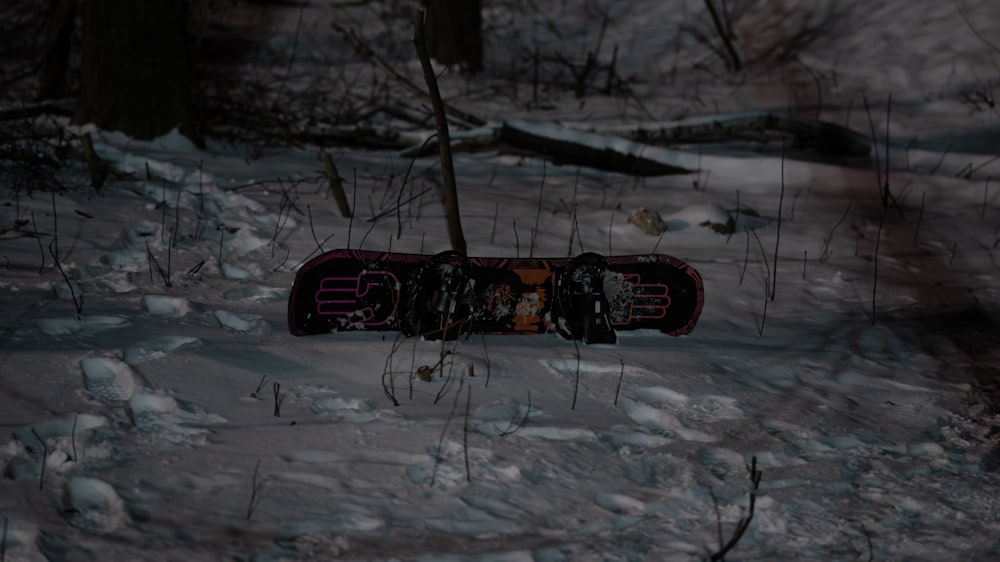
[174, 417]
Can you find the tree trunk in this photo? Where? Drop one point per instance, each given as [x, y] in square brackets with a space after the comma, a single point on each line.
[135, 74]
[52, 82]
[454, 33]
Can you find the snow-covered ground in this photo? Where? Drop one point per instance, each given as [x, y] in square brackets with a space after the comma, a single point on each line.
[144, 426]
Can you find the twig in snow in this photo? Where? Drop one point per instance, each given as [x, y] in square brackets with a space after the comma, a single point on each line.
[197, 267]
[940, 160]
[829, 237]
[55, 229]
[538, 213]
[986, 192]
[878, 239]
[621, 376]
[496, 213]
[611, 225]
[767, 282]
[513, 426]
[746, 257]
[153, 262]
[777, 236]
[284, 212]
[465, 432]
[576, 383]
[486, 358]
[517, 242]
[312, 230]
[402, 187]
[658, 240]
[260, 386]
[73, 435]
[201, 203]
[744, 522]
[255, 488]
[41, 268]
[45, 456]
[718, 516]
[336, 184]
[78, 303]
[878, 163]
[390, 389]
[278, 399]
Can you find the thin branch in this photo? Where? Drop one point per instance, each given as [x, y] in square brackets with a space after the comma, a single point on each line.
[366, 52]
[455, 233]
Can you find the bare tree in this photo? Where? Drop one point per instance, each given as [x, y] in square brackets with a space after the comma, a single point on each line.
[52, 78]
[454, 34]
[135, 72]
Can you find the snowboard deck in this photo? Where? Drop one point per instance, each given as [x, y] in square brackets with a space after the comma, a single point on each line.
[366, 290]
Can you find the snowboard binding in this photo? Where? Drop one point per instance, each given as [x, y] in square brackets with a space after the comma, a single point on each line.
[440, 302]
[580, 307]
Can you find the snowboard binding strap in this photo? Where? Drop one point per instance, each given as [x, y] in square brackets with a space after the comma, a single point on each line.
[581, 308]
[440, 305]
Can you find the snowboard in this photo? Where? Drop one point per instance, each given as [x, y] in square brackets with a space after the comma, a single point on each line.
[448, 294]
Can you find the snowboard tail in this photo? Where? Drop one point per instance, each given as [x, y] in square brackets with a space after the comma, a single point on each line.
[443, 295]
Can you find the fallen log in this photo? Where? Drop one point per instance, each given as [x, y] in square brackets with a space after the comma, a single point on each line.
[571, 146]
[823, 136]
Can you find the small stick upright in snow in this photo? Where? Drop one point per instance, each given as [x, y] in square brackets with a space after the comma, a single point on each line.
[336, 185]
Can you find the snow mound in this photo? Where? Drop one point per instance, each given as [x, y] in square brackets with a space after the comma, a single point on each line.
[92, 505]
[162, 305]
[108, 378]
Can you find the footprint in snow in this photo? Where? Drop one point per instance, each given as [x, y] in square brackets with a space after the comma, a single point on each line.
[58, 439]
[20, 540]
[71, 325]
[108, 378]
[240, 323]
[156, 347]
[92, 505]
[354, 410]
[162, 305]
[669, 412]
[168, 420]
[259, 294]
